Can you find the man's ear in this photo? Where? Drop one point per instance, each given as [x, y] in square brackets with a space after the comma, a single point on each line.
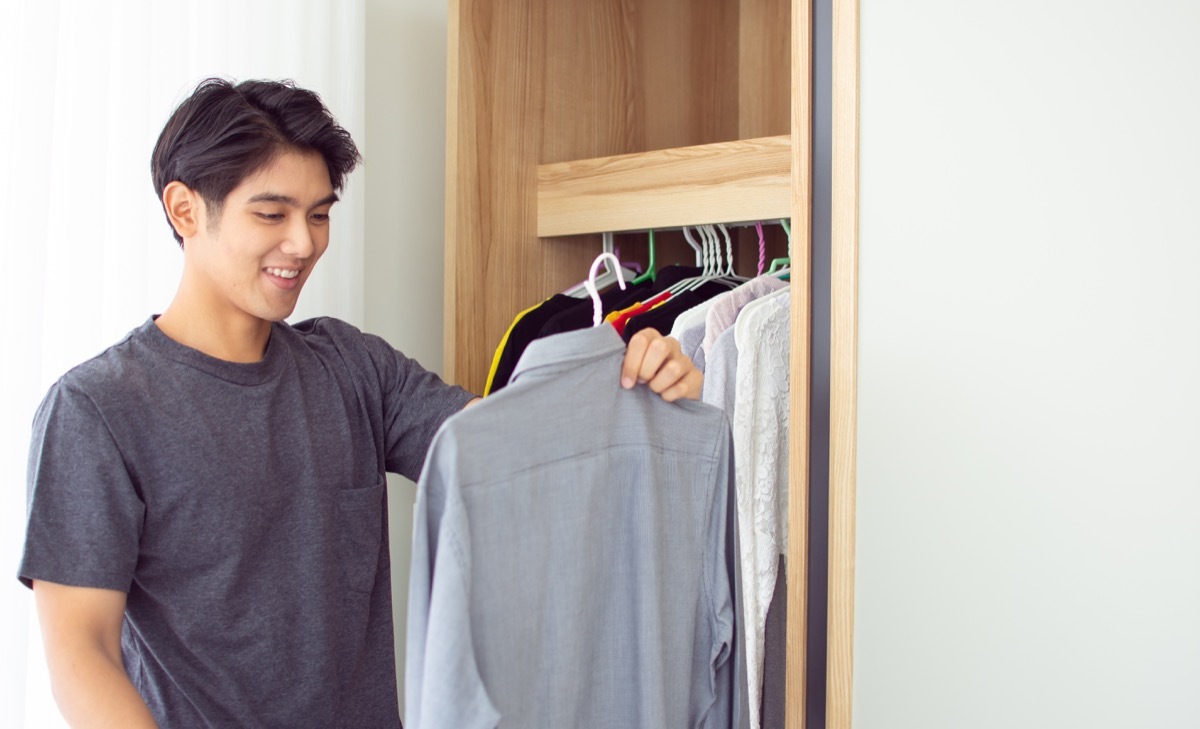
[184, 207]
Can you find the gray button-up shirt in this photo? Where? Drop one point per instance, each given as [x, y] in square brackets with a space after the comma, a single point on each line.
[574, 556]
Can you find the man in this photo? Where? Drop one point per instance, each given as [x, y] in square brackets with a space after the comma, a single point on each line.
[207, 533]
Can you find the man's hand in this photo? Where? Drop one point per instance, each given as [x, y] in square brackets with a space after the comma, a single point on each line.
[657, 361]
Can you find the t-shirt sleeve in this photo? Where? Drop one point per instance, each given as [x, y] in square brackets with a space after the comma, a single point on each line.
[415, 404]
[442, 684]
[84, 515]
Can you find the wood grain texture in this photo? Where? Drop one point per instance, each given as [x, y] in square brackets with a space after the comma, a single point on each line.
[539, 81]
[714, 183]
[801, 363]
[765, 71]
[843, 396]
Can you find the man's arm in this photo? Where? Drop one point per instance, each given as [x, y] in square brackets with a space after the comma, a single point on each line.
[81, 630]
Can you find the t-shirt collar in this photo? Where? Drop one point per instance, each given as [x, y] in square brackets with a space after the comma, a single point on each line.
[241, 373]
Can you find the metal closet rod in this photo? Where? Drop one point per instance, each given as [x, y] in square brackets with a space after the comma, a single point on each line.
[785, 222]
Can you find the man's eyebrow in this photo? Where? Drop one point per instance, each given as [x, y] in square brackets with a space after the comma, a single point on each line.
[273, 197]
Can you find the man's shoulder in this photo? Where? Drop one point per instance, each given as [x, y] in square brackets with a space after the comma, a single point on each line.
[115, 374]
[112, 368]
[327, 326]
[327, 337]
[325, 331]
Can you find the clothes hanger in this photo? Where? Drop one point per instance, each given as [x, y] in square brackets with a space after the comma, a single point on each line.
[686, 283]
[708, 252]
[592, 282]
[703, 261]
[695, 247]
[729, 274]
[611, 271]
[762, 248]
[719, 271]
[651, 271]
[781, 266]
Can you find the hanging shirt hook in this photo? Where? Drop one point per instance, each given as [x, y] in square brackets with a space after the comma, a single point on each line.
[597, 315]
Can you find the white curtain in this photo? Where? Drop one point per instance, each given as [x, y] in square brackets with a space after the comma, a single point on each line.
[85, 252]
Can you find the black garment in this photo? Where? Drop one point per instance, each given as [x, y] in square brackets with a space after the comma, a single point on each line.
[525, 331]
[580, 315]
[615, 299]
[663, 318]
[562, 313]
[772, 709]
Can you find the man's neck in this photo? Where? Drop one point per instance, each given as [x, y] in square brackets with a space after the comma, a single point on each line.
[233, 339]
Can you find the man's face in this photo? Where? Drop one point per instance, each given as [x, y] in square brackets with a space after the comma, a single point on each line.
[272, 229]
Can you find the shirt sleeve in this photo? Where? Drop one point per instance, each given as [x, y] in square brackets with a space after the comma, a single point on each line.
[442, 684]
[415, 404]
[84, 517]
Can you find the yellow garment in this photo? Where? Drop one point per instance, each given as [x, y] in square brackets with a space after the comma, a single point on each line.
[487, 388]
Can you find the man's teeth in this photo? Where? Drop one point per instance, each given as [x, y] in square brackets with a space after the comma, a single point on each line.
[283, 272]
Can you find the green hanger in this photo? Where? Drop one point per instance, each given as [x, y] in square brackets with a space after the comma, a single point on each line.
[650, 270]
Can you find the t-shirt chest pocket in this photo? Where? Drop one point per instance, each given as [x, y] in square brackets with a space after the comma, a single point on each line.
[360, 523]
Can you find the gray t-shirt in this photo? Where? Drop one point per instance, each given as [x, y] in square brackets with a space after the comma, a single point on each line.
[242, 508]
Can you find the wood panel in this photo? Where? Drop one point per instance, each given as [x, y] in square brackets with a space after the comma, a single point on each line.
[801, 338]
[687, 55]
[765, 71]
[726, 182]
[843, 395]
[536, 81]
[764, 100]
[801, 362]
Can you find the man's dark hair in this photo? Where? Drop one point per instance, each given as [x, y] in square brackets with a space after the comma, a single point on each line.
[223, 133]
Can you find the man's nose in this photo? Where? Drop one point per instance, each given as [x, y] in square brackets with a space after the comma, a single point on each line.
[299, 239]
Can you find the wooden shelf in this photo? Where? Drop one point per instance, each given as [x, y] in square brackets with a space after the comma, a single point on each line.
[726, 182]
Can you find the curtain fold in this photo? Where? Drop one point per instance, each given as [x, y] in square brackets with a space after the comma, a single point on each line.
[85, 251]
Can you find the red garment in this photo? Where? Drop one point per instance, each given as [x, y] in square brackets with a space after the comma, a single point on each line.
[625, 316]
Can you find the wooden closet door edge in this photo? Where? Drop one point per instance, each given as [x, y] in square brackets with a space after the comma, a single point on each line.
[801, 365]
[451, 243]
[843, 405]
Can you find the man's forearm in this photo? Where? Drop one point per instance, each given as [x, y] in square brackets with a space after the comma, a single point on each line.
[94, 691]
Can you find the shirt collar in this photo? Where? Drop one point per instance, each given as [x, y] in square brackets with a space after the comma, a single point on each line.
[545, 356]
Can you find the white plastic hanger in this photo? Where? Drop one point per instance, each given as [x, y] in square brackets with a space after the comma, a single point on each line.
[709, 258]
[728, 274]
[592, 282]
[611, 270]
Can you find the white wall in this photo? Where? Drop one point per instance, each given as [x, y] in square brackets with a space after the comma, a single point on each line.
[405, 159]
[1029, 365]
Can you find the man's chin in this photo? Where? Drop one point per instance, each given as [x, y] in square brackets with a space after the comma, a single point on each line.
[276, 315]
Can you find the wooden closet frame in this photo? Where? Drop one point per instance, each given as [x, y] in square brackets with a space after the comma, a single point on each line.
[534, 162]
[843, 370]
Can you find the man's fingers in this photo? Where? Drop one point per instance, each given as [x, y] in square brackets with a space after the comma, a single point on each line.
[688, 388]
[659, 353]
[643, 356]
[668, 373]
[659, 362]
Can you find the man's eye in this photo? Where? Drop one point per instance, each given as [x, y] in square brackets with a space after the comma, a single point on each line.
[320, 217]
[270, 216]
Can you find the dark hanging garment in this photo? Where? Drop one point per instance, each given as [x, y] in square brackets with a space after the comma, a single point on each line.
[614, 299]
[773, 709]
[663, 318]
[523, 331]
